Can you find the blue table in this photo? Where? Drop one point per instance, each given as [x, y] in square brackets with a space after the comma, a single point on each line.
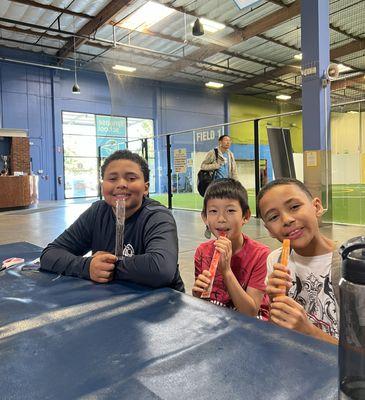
[66, 338]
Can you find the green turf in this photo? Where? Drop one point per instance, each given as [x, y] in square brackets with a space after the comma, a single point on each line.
[348, 202]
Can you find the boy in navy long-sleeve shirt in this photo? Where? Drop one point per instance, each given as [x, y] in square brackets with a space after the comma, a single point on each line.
[150, 236]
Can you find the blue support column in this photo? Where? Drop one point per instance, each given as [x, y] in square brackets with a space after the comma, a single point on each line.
[315, 45]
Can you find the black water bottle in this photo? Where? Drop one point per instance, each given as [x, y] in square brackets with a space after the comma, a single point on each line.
[352, 320]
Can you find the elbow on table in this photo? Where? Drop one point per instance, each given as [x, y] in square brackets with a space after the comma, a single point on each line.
[164, 272]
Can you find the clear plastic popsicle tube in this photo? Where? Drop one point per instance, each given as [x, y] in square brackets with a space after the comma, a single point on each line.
[212, 270]
[119, 227]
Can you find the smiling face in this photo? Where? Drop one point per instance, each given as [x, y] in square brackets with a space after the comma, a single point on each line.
[225, 215]
[288, 213]
[124, 179]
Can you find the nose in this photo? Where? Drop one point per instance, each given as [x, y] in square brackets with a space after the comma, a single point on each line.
[287, 219]
[221, 218]
[122, 183]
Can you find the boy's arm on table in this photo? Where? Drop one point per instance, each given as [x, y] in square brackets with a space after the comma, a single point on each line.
[246, 301]
[65, 254]
[287, 313]
[157, 267]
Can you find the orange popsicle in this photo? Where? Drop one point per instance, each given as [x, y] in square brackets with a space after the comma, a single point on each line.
[285, 257]
[212, 270]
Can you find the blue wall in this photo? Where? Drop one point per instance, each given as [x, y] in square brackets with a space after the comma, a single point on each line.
[33, 98]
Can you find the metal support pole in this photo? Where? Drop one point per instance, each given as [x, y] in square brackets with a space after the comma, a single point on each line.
[257, 159]
[99, 173]
[169, 172]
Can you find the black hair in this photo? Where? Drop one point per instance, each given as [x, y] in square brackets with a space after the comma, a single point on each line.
[279, 182]
[226, 188]
[222, 137]
[127, 155]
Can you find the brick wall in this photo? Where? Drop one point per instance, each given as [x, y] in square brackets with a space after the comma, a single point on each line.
[19, 155]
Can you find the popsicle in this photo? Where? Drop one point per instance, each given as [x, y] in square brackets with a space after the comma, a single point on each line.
[212, 270]
[119, 227]
[284, 258]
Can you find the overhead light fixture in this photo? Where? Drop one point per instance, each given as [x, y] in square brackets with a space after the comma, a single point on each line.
[208, 25]
[298, 57]
[214, 85]
[343, 68]
[283, 97]
[75, 87]
[198, 29]
[123, 68]
[146, 16]
[244, 3]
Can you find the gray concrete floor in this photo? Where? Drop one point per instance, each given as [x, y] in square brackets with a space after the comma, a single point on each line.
[41, 224]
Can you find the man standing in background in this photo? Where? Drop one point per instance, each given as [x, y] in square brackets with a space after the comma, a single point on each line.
[221, 159]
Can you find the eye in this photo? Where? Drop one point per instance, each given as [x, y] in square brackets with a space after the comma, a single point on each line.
[132, 178]
[295, 206]
[232, 210]
[212, 211]
[272, 218]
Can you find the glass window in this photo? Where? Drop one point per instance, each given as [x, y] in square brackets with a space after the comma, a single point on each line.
[88, 137]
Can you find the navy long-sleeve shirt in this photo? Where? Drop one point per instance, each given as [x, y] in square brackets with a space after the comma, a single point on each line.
[150, 245]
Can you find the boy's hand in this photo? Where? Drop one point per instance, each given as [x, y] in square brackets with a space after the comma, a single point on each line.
[224, 246]
[202, 282]
[102, 267]
[279, 281]
[287, 313]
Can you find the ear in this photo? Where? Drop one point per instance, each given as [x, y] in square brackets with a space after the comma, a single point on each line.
[246, 217]
[317, 204]
[146, 188]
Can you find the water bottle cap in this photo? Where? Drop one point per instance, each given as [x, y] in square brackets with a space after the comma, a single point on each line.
[353, 260]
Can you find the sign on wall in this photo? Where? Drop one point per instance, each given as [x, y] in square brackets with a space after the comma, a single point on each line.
[110, 126]
[180, 161]
[207, 135]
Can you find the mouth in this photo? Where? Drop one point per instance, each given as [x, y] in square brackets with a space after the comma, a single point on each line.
[222, 231]
[121, 196]
[295, 234]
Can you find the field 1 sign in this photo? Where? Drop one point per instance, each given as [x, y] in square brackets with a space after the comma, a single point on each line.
[180, 161]
[208, 135]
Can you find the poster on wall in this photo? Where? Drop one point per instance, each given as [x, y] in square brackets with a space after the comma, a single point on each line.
[180, 161]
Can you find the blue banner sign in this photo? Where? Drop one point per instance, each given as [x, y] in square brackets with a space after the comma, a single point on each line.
[111, 126]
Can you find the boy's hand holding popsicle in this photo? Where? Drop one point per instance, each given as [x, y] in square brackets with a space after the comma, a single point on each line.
[221, 259]
[285, 311]
[102, 267]
[279, 281]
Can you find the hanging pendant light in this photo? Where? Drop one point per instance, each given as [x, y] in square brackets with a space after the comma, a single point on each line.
[198, 28]
[75, 87]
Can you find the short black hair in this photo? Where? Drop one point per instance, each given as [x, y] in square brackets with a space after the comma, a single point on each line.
[127, 155]
[279, 182]
[222, 137]
[226, 188]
